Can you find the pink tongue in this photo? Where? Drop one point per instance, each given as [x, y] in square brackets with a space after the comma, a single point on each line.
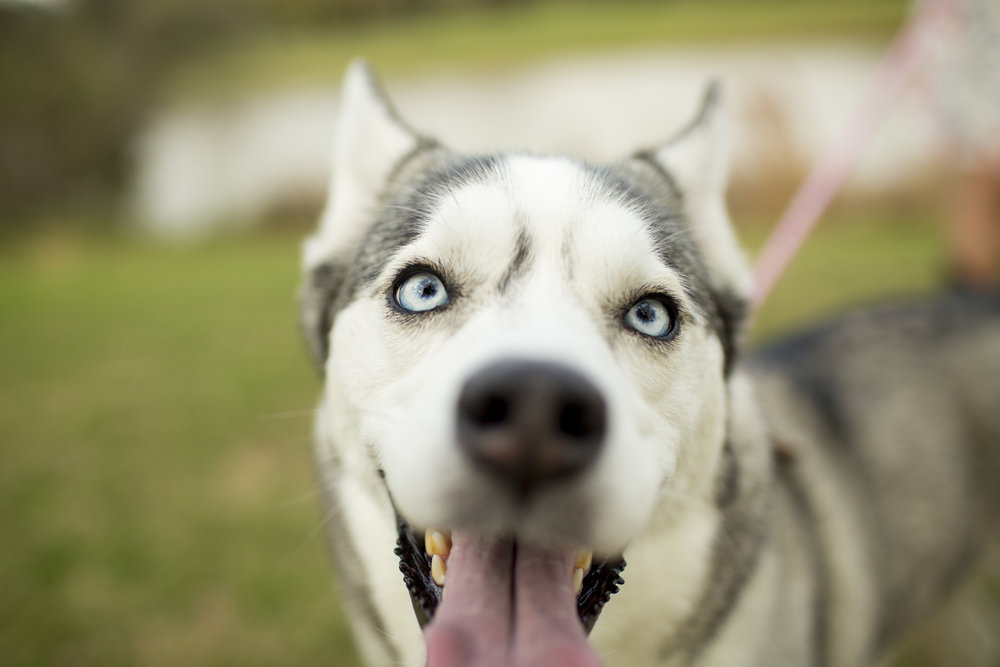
[502, 609]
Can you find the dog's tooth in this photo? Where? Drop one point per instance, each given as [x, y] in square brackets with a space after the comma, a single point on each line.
[429, 542]
[439, 569]
[584, 559]
[577, 580]
[437, 543]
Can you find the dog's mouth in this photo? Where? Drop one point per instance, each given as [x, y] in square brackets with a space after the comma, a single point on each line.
[484, 601]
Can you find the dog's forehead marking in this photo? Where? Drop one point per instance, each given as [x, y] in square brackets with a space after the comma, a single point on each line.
[547, 216]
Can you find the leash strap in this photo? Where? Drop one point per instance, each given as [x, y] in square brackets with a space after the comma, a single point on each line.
[898, 66]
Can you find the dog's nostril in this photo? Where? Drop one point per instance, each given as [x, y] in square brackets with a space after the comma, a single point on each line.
[492, 411]
[574, 422]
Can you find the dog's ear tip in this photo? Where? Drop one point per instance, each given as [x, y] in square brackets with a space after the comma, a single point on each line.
[360, 71]
[713, 101]
[697, 155]
[360, 79]
[359, 64]
[715, 90]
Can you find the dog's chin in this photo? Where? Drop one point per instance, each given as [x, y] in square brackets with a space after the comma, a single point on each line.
[507, 600]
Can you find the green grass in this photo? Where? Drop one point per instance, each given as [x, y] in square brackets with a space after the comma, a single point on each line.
[156, 499]
[482, 38]
[156, 490]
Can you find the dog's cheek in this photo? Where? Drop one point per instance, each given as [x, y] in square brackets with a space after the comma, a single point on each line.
[671, 390]
[697, 408]
[639, 448]
[643, 456]
[674, 409]
[362, 377]
[358, 362]
[414, 435]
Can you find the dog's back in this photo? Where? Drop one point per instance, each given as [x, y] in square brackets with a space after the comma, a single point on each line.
[887, 428]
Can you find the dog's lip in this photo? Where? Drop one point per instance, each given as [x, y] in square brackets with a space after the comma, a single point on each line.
[601, 582]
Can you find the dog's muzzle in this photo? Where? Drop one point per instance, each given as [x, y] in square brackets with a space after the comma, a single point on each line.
[526, 424]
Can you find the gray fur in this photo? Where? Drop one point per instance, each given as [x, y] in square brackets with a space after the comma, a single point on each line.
[904, 400]
[743, 500]
[316, 300]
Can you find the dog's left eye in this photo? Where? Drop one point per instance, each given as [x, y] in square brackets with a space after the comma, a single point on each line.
[651, 316]
[421, 292]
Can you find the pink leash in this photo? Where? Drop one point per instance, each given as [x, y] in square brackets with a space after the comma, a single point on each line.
[899, 65]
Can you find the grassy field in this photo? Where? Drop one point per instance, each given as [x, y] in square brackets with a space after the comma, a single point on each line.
[156, 491]
[156, 495]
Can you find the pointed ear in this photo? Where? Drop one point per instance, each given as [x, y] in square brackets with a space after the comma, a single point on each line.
[696, 161]
[697, 157]
[369, 142]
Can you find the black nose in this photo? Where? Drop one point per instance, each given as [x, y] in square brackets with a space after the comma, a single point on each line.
[531, 422]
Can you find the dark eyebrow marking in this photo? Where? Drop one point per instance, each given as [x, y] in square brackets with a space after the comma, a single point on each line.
[406, 206]
[522, 251]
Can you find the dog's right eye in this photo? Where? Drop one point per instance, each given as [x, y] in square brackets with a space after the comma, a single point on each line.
[651, 316]
[421, 292]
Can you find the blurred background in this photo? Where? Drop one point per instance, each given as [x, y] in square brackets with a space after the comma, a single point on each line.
[160, 162]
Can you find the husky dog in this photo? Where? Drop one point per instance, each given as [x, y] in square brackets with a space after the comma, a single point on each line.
[534, 378]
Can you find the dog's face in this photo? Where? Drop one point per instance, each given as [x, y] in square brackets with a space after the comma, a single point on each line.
[528, 354]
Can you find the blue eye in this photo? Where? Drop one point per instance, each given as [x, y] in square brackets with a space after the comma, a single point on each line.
[651, 317]
[421, 292]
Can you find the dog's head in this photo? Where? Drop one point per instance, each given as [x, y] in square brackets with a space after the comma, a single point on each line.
[529, 352]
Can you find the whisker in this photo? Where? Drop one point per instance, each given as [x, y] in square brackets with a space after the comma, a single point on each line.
[301, 498]
[409, 209]
[384, 633]
[328, 517]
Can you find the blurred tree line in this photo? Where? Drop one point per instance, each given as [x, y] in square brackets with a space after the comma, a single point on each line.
[78, 77]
